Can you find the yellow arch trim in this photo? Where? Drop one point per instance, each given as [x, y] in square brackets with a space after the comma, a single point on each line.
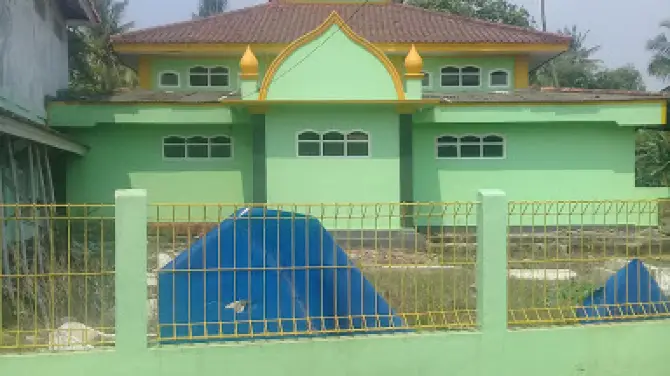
[333, 19]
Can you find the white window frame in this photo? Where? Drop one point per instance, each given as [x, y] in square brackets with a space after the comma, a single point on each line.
[499, 71]
[160, 75]
[209, 76]
[321, 142]
[481, 143]
[430, 80]
[209, 148]
[460, 75]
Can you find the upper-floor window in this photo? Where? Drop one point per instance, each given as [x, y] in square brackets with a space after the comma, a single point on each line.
[168, 79]
[469, 76]
[470, 146]
[333, 144]
[218, 76]
[426, 81]
[499, 78]
[198, 147]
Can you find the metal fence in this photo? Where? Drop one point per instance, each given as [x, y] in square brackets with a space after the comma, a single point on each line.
[235, 272]
[427, 281]
[57, 269]
[563, 257]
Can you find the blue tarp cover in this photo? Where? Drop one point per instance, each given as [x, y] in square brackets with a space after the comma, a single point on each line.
[283, 268]
[632, 291]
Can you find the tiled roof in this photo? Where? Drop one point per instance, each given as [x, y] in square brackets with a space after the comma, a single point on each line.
[149, 96]
[549, 95]
[277, 22]
[515, 96]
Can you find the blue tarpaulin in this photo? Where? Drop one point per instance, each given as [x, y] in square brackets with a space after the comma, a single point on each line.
[631, 292]
[263, 272]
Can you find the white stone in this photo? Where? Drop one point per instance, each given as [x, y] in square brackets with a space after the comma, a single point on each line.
[75, 336]
[543, 274]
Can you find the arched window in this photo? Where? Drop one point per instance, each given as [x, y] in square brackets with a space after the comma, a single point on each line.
[358, 144]
[451, 76]
[333, 143]
[309, 144]
[174, 147]
[470, 146]
[168, 79]
[218, 76]
[426, 82]
[220, 147]
[197, 147]
[499, 78]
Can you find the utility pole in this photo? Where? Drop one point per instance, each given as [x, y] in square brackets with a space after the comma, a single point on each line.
[543, 18]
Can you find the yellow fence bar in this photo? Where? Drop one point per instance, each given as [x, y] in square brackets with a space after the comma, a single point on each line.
[56, 277]
[425, 276]
[587, 261]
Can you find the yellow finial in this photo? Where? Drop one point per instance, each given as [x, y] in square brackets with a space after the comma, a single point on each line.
[413, 64]
[249, 64]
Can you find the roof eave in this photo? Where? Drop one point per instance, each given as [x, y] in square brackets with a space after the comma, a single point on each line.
[139, 48]
[79, 12]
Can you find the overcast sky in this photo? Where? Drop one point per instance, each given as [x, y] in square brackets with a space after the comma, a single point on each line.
[621, 27]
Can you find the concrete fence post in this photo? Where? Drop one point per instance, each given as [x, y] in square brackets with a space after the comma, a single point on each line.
[131, 269]
[492, 261]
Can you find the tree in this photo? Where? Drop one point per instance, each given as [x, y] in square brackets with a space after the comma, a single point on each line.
[210, 7]
[659, 66]
[578, 69]
[623, 78]
[94, 66]
[501, 11]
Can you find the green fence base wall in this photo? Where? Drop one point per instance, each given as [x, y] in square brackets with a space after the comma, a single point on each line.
[608, 350]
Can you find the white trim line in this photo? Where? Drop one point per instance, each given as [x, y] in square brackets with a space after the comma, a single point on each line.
[41, 134]
[209, 77]
[160, 75]
[193, 159]
[460, 75]
[481, 143]
[430, 80]
[344, 142]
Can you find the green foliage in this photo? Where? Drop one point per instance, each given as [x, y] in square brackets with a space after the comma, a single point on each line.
[94, 66]
[652, 159]
[210, 7]
[577, 68]
[501, 11]
[659, 66]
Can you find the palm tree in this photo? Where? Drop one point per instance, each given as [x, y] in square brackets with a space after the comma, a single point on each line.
[659, 66]
[575, 67]
[94, 66]
[210, 7]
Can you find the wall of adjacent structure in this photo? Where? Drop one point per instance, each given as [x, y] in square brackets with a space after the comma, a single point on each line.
[28, 74]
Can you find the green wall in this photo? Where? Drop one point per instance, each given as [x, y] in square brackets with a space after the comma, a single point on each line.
[182, 65]
[130, 156]
[340, 44]
[544, 162]
[433, 65]
[340, 180]
[327, 76]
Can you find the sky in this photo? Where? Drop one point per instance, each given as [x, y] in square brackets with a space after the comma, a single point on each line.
[620, 27]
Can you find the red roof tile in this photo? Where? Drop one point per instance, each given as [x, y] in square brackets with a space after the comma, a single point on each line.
[278, 22]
